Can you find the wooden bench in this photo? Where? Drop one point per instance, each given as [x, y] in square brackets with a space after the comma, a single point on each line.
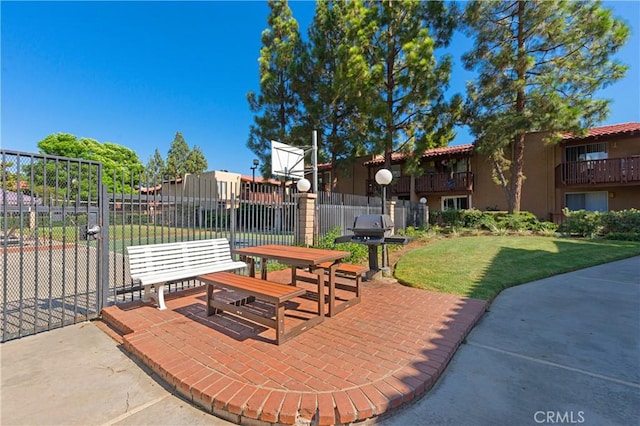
[266, 291]
[346, 269]
[350, 270]
[155, 265]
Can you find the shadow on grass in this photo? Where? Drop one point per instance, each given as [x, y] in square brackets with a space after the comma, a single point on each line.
[481, 267]
[514, 266]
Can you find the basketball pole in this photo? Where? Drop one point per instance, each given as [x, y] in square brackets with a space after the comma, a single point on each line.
[314, 159]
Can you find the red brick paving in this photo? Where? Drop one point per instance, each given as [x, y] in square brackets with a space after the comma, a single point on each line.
[370, 359]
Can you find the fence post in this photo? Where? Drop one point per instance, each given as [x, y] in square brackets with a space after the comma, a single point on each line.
[103, 242]
[391, 208]
[306, 207]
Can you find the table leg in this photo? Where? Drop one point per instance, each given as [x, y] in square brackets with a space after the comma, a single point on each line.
[252, 265]
[210, 310]
[319, 272]
[332, 288]
[263, 269]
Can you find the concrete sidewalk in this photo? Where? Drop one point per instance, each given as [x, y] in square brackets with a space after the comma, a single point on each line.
[560, 350]
[565, 349]
[78, 375]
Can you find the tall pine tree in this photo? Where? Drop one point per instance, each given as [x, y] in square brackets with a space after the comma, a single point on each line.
[182, 160]
[277, 106]
[400, 80]
[325, 86]
[155, 168]
[540, 64]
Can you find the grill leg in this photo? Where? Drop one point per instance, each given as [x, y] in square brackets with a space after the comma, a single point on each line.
[373, 261]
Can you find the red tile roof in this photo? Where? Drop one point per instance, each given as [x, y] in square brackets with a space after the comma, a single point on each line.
[261, 180]
[628, 129]
[435, 152]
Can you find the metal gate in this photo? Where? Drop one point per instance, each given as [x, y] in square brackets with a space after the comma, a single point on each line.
[51, 232]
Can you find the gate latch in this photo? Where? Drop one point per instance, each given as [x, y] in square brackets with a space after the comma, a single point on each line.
[90, 233]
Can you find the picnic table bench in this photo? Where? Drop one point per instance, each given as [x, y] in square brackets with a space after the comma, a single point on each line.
[155, 265]
[350, 270]
[273, 293]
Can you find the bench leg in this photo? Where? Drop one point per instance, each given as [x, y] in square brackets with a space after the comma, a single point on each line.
[160, 296]
[146, 295]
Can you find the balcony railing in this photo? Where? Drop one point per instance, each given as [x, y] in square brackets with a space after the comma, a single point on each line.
[428, 183]
[599, 172]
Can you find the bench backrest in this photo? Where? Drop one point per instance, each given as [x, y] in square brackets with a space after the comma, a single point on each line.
[170, 257]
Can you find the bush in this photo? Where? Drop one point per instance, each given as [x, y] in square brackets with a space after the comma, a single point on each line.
[582, 223]
[522, 221]
[618, 222]
[493, 221]
[547, 228]
[472, 218]
[623, 236]
[359, 252]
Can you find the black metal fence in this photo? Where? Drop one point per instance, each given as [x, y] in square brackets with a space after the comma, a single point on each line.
[51, 271]
[65, 226]
[201, 207]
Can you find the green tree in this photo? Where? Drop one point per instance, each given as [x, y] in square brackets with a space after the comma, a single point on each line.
[196, 162]
[276, 107]
[177, 155]
[121, 166]
[182, 160]
[155, 169]
[540, 64]
[395, 69]
[325, 86]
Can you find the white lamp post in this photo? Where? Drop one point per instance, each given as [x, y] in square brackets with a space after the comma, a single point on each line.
[303, 185]
[425, 212]
[383, 178]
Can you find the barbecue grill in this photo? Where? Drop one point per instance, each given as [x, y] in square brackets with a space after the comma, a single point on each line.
[372, 230]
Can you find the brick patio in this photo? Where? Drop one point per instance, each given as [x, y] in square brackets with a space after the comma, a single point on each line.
[364, 362]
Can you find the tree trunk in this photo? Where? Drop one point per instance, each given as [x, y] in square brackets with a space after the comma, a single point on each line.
[390, 84]
[517, 153]
[516, 174]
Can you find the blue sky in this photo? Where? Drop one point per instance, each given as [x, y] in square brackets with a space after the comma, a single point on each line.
[134, 73]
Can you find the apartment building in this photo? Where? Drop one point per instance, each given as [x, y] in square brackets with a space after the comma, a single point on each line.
[599, 171]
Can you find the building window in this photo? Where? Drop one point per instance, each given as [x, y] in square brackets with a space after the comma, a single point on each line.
[594, 151]
[455, 203]
[589, 201]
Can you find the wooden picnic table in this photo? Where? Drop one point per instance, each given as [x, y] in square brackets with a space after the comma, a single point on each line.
[298, 257]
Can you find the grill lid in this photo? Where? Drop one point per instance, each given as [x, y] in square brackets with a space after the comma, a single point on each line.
[374, 225]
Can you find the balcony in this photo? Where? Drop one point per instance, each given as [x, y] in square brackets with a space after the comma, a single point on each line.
[427, 183]
[606, 172]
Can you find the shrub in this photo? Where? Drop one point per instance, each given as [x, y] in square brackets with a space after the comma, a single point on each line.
[472, 218]
[547, 228]
[449, 217]
[623, 221]
[521, 221]
[493, 221]
[623, 236]
[359, 252]
[581, 223]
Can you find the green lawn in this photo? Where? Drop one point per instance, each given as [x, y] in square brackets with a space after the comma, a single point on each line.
[481, 267]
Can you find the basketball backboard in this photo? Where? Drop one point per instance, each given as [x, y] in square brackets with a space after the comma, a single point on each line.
[287, 161]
